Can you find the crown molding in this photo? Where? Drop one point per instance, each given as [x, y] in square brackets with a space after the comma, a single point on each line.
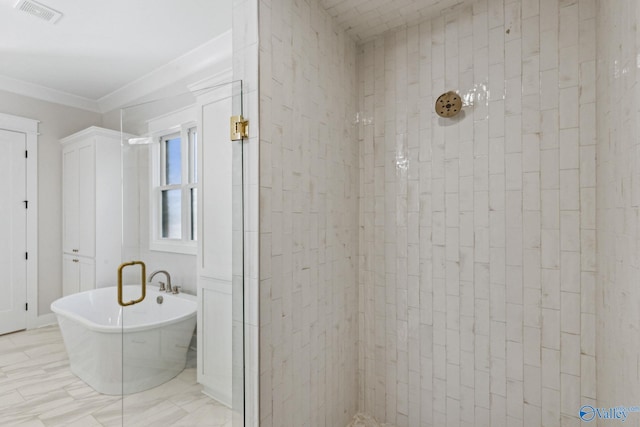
[211, 82]
[214, 54]
[43, 93]
[94, 131]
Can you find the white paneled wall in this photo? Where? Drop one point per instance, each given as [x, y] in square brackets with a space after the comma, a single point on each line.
[308, 218]
[477, 234]
[618, 227]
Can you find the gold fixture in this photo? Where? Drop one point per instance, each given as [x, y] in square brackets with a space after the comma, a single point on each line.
[239, 128]
[142, 282]
[448, 104]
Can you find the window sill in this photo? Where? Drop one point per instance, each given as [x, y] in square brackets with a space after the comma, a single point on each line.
[174, 246]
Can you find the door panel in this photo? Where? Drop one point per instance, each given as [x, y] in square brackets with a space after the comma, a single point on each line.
[71, 274]
[70, 199]
[87, 273]
[86, 200]
[78, 164]
[13, 314]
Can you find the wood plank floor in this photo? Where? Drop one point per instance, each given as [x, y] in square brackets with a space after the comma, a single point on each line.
[38, 389]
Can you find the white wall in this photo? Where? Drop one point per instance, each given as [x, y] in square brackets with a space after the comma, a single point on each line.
[308, 218]
[618, 178]
[56, 122]
[137, 220]
[477, 268]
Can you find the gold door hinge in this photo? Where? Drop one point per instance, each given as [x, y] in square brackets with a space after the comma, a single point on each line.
[239, 128]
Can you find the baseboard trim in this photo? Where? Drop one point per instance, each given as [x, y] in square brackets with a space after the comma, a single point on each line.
[218, 396]
[46, 320]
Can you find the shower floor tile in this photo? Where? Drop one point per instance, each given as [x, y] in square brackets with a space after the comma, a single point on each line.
[37, 388]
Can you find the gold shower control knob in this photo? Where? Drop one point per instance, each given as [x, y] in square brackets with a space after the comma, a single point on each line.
[448, 104]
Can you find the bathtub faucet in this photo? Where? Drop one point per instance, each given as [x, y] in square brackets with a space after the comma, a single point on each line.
[166, 273]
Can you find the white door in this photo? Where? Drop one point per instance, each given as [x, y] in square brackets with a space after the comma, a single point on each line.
[13, 232]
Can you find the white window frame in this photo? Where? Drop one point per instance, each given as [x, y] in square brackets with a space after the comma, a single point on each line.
[157, 243]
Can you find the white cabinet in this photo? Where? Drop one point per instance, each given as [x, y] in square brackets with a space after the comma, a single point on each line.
[78, 166]
[79, 274]
[215, 355]
[215, 254]
[91, 209]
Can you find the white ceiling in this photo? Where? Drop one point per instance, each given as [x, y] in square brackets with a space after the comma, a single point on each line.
[99, 46]
[364, 19]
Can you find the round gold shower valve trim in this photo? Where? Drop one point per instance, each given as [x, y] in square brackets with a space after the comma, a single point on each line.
[448, 104]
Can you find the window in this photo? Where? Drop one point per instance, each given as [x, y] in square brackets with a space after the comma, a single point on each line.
[175, 191]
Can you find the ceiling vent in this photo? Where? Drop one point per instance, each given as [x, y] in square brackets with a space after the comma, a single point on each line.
[38, 10]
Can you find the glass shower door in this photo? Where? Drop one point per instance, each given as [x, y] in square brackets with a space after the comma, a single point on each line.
[182, 253]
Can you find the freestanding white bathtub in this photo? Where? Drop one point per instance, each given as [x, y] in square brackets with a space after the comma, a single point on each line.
[126, 350]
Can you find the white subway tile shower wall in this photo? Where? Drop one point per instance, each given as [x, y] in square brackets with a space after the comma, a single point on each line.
[618, 202]
[308, 218]
[477, 234]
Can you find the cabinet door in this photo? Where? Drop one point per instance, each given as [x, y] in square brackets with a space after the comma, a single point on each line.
[87, 276]
[70, 186]
[79, 205]
[70, 275]
[215, 360]
[78, 274]
[86, 199]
